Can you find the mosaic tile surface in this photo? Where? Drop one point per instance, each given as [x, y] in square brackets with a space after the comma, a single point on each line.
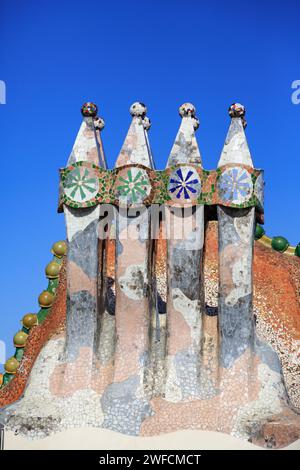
[169, 334]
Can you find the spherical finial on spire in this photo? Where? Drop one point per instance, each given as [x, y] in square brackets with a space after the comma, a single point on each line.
[237, 110]
[196, 122]
[89, 109]
[99, 123]
[146, 123]
[138, 109]
[187, 109]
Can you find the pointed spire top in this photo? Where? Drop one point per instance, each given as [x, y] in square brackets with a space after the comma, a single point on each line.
[185, 148]
[136, 148]
[236, 148]
[88, 144]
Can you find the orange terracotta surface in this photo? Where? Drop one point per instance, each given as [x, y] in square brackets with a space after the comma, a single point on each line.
[277, 279]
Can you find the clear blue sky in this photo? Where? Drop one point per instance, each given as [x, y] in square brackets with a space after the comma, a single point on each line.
[56, 55]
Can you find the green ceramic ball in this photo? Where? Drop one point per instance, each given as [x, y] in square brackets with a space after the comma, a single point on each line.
[46, 299]
[52, 270]
[280, 244]
[59, 249]
[20, 339]
[29, 320]
[11, 366]
[259, 232]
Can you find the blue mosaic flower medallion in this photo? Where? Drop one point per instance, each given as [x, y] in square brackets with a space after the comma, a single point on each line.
[81, 184]
[235, 185]
[259, 189]
[132, 186]
[184, 184]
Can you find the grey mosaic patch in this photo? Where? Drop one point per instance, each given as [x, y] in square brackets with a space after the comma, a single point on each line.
[81, 323]
[83, 249]
[191, 377]
[33, 426]
[227, 229]
[184, 271]
[237, 329]
[187, 366]
[144, 359]
[119, 247]
[123, 411]
[107, 338]
[134, 282]
[185, 150]
[267, 355]
[110, 298]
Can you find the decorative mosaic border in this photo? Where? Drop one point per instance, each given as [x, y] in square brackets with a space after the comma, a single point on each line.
[34, 320]
[84, 184]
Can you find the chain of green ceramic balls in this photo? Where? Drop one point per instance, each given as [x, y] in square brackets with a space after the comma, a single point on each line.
[278, 243]
[45, 300]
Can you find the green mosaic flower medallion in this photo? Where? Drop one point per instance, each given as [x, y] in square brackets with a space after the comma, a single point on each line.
[81, 184]
[132, 186]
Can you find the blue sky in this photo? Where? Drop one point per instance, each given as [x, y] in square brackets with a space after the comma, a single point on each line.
[56, 55]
